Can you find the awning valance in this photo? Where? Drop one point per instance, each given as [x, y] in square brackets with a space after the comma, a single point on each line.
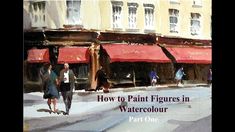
[197, 55]
[135, 53]
[73, 55]
[38, 56]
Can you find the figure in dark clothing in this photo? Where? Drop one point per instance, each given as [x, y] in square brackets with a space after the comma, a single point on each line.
[101, 78]
[209, 77]
[153, 77]
[67, 84]
[50, 92]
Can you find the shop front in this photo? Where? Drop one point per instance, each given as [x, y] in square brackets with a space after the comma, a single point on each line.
[78, 59]
[195, 60]
[75, 47]
[130, 64]
[35, 59]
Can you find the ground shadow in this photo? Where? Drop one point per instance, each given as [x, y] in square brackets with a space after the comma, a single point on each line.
[50, 111]
[174, 86]
[201, 125]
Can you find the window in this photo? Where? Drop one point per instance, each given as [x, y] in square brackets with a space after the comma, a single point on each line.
[117, 14]
[174, 1]
[174, 14]
[73, 12]
[195, 23]
[197, 3]
[37, 14]
[149, 17]
[132, 8]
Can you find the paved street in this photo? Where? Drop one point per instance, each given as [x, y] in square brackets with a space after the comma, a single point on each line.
[89, 115]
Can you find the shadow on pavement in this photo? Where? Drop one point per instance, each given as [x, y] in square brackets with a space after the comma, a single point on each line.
[174, 86]
[50, 111]
[201, 125]
[45, 110]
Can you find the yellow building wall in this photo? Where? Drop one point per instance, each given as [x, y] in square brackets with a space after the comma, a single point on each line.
[161, 17]
[97, 14]
[207, 16]
[140, 17]
[55, 13]
[105, 14]
[90, 14]
[125, 15]
[185, 9]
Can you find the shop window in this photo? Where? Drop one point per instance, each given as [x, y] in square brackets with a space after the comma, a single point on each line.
[120, 71]
[83, 71]
[80, 70]
[32, 72]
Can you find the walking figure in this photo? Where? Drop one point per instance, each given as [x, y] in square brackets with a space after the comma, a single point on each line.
[179, 74]
[153, 77]
[102, 80]
[50, 90]
[67, 84]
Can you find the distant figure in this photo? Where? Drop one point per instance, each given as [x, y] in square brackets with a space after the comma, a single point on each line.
[102, 80]
[209, 77]
[50, 92]
[67, 84]
[153, 78]
[179, 74]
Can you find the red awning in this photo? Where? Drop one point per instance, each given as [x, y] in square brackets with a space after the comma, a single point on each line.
[38, 55]
[135, 53]
[197, 55]
[73, 55]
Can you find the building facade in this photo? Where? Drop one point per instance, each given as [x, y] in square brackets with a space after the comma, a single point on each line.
[173, 18]
[177, 18]
[91, 23]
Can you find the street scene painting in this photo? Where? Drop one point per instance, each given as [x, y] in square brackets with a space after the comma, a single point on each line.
[117, 65]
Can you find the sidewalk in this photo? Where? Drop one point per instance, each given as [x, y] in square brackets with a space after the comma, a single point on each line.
[158, 87]
[83, 109]
[36, 120]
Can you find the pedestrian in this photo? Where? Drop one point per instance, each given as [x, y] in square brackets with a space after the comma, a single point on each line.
[67, 84]
[102, 80]
[50, 92]
[209, 76]
[153, 77]
[179, 74]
